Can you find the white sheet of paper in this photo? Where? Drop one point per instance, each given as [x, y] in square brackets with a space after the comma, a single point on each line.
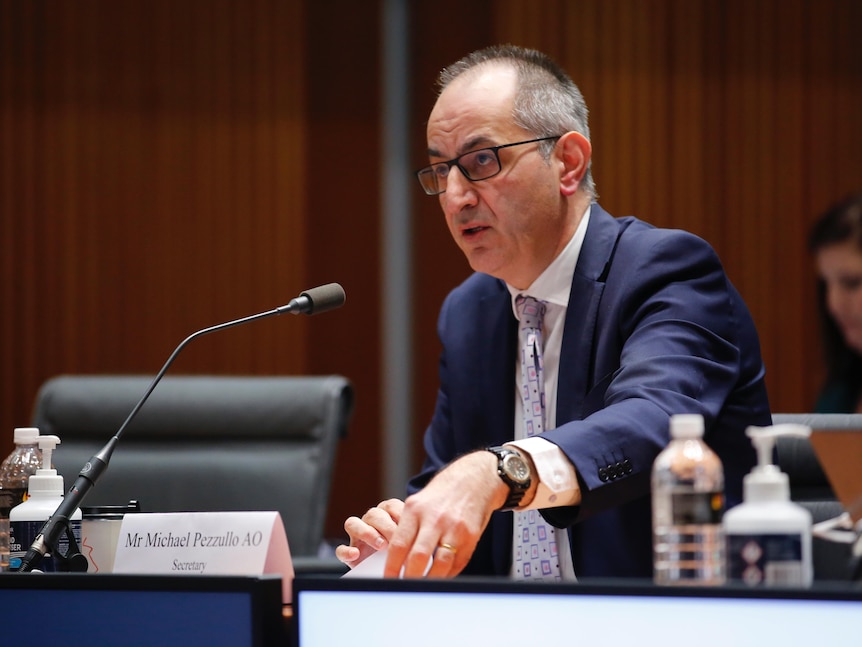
[373, 565]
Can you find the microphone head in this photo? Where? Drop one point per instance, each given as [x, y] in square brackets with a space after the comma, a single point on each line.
[324, 297]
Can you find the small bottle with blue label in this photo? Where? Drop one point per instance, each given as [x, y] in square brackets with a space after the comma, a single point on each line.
[768, 536]
[45, 491]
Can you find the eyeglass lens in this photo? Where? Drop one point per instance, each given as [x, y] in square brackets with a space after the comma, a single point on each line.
[475, 165]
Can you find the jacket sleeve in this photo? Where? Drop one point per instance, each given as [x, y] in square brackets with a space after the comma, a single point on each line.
[671, 336]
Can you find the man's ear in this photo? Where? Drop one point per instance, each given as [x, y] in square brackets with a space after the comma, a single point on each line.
[574, 151]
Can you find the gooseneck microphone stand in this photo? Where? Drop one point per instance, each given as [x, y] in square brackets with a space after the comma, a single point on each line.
[313, 301]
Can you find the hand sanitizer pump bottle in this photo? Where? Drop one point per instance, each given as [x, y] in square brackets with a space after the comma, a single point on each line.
[768, 536]
[45, 491]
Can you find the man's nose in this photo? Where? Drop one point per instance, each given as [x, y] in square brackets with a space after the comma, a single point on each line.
[460, 191]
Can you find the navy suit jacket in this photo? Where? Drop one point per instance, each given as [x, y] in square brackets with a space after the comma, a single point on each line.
[653, 327]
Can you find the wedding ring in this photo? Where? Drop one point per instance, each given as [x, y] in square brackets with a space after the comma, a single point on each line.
[447, 547]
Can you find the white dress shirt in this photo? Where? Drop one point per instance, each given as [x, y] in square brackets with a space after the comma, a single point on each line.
[557, 483]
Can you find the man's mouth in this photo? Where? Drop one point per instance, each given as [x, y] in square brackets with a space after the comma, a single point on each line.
[473, 230]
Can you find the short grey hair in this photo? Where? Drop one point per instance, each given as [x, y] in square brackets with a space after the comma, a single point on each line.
[547, 102]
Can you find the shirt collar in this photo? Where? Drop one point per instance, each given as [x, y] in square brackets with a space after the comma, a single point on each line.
[555, 284]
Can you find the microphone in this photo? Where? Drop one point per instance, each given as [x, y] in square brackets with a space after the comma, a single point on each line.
[316, 300]
[313, 301]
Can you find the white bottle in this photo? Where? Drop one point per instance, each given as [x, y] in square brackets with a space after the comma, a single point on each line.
[45, 492]
[687, 504]
[768, 536]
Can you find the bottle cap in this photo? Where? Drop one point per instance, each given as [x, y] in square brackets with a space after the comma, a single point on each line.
[26, 435]
[686, 425]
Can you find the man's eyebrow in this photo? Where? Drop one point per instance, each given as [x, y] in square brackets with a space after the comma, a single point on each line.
[479, 141]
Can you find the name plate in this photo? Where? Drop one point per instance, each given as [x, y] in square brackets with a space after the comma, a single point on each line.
[205, 543]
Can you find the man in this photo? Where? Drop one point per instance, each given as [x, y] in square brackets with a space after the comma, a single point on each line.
[636, 324]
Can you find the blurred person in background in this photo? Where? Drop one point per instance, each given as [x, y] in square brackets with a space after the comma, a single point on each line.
[835, 242]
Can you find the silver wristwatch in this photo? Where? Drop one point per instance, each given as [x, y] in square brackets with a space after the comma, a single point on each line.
[515, 472]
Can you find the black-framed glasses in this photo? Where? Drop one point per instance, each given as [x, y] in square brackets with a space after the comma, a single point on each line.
[476, 165]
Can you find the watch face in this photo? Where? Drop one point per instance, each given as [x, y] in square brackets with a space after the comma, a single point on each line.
[516, 468]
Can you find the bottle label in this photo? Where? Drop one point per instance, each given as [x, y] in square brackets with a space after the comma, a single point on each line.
[764, 559]
[21, 536]
[695, 508]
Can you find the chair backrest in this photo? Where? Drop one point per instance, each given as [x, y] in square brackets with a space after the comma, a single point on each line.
[797, 458]
[205, 443]
[811, 488]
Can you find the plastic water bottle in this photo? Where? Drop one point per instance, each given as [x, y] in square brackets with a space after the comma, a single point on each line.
[15, 472]
[687, 507]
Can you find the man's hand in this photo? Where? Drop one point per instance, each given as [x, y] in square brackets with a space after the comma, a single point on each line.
[445, 519]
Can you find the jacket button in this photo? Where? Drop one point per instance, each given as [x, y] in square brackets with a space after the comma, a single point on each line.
[603, 474]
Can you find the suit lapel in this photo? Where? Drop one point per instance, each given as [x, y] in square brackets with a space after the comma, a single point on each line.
[497, 347]
[576, 356]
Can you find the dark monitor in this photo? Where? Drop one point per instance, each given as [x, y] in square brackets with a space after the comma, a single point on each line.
[141, 610]
[464, 611]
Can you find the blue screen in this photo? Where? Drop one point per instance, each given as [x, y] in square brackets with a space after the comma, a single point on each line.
[92, 610]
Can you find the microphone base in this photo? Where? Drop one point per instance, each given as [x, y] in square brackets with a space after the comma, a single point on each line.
[72, 561]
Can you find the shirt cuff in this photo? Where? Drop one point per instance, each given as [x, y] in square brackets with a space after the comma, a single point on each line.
[558, 484]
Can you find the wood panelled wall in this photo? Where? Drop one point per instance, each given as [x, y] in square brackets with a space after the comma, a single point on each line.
[166, 165]
[155, 180]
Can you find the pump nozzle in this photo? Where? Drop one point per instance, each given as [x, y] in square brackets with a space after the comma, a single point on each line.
[767, 482]
[47, 444]
[763, 439]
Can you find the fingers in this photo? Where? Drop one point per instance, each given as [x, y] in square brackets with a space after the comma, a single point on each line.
[350, 555]
[417, 548]
[370, 533]
[427, 558]
[364, 541]
[393, 507]
[401, 545]
[445, 562]
[442, 521]
[377, 525]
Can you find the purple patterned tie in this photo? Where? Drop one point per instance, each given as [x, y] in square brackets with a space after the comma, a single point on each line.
[535, 546]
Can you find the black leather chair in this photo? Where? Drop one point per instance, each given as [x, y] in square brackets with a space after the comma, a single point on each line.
[206, 444]
[810, 488]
